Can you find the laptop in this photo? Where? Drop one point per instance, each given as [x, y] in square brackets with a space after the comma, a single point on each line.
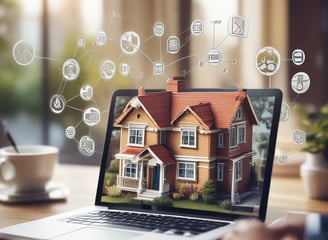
[177, 164]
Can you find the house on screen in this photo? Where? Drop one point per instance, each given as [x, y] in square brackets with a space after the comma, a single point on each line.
[174, 138]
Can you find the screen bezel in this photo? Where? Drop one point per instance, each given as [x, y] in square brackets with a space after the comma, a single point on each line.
[276, 93]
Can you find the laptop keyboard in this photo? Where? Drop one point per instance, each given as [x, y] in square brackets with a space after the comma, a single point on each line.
[151, 222]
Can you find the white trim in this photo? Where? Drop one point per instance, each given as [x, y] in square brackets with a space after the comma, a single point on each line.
[186, 178]
[187, 158]
[188, 129]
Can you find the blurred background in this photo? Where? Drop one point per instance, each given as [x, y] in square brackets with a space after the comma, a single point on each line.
[61, 29]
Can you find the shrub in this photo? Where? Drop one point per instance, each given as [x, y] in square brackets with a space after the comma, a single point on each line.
[194, 196]
[209, 192]
[177, 196]
[226, 204]
[163, 201]
[114, 191]
[114, 166]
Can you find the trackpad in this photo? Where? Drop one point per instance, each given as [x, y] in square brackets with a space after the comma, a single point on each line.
[97, 233]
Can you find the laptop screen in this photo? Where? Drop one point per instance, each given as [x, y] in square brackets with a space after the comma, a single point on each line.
[207, 152]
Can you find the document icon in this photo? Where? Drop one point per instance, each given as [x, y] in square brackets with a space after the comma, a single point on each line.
[238, 26]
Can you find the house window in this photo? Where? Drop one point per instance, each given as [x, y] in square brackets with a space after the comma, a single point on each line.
[136, 134]
[187, 171]
[130, 169]
[220, 172]
[239, 114]
[221, 140]
[238, 170]
[188, 137]
[233, 137]
[241, 133]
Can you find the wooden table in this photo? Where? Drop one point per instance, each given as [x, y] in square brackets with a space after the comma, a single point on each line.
[286, 194]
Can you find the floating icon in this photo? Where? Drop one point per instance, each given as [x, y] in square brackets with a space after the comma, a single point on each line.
[81, 42]
[130, 42]
[238, 26]
[300, 82]
[57, 103]
[86, 92]
[101, 38]
[197, 27]
[298, 56]
[214, 56]
[107, 70]
[70, 132]
[124, 69]
[86, 146]
[284, 115]
[158, 29]
[299, 137]
[70, 69]
[23, 52]
[267, 61]
[173, 45]
[282, 159]
[91, 116]
[158, 68]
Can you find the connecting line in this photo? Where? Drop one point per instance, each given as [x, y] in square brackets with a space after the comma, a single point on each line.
[180, 59]
[222, 41]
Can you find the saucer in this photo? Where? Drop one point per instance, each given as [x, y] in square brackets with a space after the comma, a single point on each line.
[53, 192]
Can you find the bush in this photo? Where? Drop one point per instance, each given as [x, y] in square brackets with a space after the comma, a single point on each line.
[177, 196]
[114, 191]
[162, 201]
[194, 196]
[209, 192]
[114, 166]
[226, 204]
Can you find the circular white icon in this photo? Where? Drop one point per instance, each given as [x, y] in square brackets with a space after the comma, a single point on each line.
[124, 69]
[173, 45]
[57, 103]
[299, 137]
[23, 52]
[130, 42]
[298, 56]
[101, 38]
[284, 115]
[158, 29]
[91, 116]
[158, 68]
[86, 146]
[86, 92]
[70, 132]
[214, 56]
[300, 82]
[107, 70]
[267, 61]
[70, 69]
[197, 27]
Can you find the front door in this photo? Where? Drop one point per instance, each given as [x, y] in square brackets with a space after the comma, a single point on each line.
[155, 177]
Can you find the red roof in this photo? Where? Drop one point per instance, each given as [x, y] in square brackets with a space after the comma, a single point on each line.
[212, 109]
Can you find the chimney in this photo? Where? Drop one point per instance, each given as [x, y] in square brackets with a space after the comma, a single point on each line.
[141, 91]
[177, 84]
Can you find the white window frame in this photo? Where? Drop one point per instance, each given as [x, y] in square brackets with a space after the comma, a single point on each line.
[241, 133]
[239, 170]
[239, 113]
[189, 131]
[188, 166]
[220, 172]
[129, 165]
[233, 140]
[221, 139]
[139, 129]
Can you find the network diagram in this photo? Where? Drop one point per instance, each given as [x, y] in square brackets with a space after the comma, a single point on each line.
[267, 62]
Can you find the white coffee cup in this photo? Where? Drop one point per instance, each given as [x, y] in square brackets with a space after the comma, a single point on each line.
[29, 170]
